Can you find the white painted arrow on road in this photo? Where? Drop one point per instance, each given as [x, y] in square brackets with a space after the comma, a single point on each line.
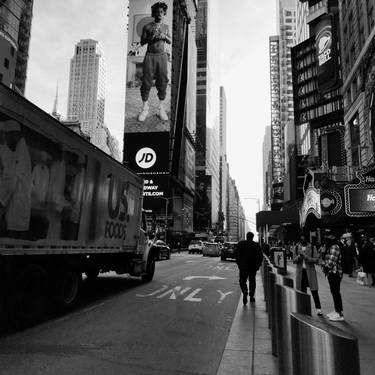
[204, 277]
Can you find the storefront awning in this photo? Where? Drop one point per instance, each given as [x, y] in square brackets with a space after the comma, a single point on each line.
[287, 216]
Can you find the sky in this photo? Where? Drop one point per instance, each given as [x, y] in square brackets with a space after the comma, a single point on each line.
[244, 29]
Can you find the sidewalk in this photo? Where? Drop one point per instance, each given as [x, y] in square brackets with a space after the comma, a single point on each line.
[248, 350]
[359, 312]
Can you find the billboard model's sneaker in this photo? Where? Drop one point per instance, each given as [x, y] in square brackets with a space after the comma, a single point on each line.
[142, 116]
[162, 113]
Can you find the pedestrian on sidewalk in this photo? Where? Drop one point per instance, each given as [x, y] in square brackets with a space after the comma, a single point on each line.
[333, 271]
[368, 259]
[248, 258]
[305, 259]
[348, 256]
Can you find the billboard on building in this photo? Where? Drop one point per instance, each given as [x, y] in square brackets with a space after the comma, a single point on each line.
[148, 75]
[202, 203]
[149, 158]
[326, 53]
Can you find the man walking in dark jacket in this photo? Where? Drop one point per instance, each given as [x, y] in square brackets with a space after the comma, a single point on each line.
[248, 258]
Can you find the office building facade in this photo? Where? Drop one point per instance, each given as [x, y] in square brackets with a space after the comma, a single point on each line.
[208, 106]
[15, 32]
[86, 95]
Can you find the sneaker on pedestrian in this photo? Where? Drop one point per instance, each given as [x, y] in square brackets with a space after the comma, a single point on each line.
[331, 313]
[319, 312]
[244, 299]
[336, 317]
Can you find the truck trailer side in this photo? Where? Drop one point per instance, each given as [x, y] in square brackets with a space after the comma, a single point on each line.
[66, 208]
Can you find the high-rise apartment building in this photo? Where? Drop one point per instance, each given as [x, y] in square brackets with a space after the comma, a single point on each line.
[15, 29]
[86, 98]
[208, 105]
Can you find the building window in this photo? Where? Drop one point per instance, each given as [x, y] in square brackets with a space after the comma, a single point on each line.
[12, 51]
[6, 63]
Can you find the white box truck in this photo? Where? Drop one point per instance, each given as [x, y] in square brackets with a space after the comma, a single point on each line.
[66, 209]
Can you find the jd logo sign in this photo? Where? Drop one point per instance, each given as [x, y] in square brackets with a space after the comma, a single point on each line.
[145, 157]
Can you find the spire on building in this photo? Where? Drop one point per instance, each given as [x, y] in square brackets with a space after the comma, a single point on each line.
[55, 113]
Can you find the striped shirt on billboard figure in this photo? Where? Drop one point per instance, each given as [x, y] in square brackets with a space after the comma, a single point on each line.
[333, 271]
[305, 259]
[155, 64]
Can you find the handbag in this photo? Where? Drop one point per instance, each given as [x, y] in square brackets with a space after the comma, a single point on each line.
[362, 278]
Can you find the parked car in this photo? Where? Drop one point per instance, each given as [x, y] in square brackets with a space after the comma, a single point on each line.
[211, 249]
[196, 246]
[228, 250]
[162, 250]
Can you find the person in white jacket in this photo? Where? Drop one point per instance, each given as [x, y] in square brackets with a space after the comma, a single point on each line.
[15, 187]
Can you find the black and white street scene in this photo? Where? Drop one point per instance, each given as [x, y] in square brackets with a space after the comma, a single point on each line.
[187, 187]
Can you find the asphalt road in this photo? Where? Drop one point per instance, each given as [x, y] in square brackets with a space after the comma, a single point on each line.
[177, 324]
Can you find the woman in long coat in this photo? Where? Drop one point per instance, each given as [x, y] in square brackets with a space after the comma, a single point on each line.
[305, 259]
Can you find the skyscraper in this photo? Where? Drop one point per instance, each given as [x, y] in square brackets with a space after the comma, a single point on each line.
[208, 105]
[86, 98]
[15, 26]
[223, 159]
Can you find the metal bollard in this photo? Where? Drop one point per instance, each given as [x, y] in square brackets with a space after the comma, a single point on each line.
[288, 300]
[269, 269]
[318, 348]
[285, 281]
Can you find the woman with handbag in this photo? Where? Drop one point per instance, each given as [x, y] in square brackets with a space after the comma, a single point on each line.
[305, 258]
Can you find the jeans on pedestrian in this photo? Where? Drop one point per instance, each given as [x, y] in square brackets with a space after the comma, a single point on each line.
[334, 283]
[314, 293]
[248, 274]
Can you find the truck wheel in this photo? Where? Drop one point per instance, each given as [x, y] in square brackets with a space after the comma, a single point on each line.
[67, 286]
[31, 294]
[150, 269]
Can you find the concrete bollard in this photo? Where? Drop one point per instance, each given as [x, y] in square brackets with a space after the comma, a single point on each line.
[288, 300]
[318, 348]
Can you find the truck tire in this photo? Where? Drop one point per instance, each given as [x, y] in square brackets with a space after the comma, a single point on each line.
[150, 268]
[67, 285]
[30, 294]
